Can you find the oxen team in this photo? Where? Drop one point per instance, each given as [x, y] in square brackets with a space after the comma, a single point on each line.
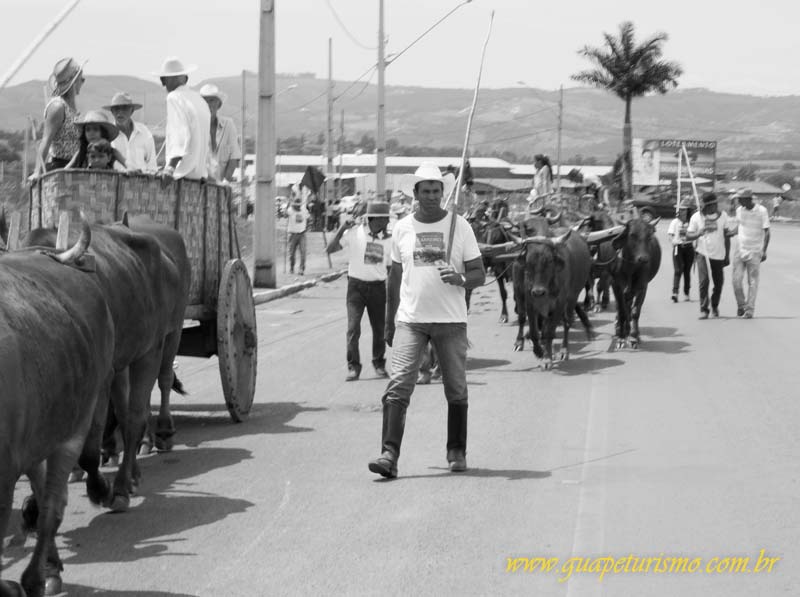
[551, 265]
[82, 329]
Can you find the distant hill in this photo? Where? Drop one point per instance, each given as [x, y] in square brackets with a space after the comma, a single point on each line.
[521, 120]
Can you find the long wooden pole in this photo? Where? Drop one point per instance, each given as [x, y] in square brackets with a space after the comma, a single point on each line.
[685, 155]
[36, 43]
[464, 149]
[242, 162]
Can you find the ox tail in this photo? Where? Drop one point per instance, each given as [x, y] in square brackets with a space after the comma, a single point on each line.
[177, 386]
[587, 325]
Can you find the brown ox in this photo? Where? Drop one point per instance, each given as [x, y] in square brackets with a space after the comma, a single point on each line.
[143, 272]
[56, 347]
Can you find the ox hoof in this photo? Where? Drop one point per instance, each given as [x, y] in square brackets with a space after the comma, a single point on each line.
[145, 449]
[52, 585]
[547, 364]
[164, 444]
[563, 355]
[597, 308]
[634, 344]
[76, 475]
[120, 503]
[504, 319]
[518, 347]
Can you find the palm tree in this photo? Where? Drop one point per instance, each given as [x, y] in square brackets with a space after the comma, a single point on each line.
[629, 70]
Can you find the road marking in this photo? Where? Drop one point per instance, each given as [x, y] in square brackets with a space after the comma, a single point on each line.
[589, 536]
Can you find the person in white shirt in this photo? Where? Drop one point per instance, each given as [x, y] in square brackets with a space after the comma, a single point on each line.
[368, 246]
[682, 250]
[135, 141]
[226, 150]
[296, 226]
[748, 251]
[542, 183]
[711, 227]
[426, 294]
[188, 123]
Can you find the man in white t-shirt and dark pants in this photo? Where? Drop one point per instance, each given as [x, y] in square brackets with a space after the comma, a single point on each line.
[710, 226]
[296, 225]
[748, 251]
[368, 249]
[426, 294]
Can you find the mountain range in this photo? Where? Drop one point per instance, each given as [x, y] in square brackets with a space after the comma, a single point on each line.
[522, 120]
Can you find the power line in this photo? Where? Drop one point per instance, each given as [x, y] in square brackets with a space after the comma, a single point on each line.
[344, 28]
[301, 106]
[353, 84]
[515, 119]
[539, 132]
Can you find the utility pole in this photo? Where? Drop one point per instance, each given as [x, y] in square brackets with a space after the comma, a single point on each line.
[26, 148]
[341, 141]
[264, 224]
[329, 127]
[242, 183]
[558, 150]
[380, 140]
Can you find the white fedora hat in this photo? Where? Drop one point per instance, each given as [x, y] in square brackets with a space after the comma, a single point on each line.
[427, 171]
[211, 90]
[172, 67]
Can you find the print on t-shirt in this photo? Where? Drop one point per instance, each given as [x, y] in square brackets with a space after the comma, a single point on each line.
[373, 254]
[429, 249]
[298, 218]
[710, 224]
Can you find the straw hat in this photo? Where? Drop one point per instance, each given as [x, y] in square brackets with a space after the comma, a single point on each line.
[65, 73]
[101, 118]
[427, 171]
[173, 67]
[121, 100]
[211, 90]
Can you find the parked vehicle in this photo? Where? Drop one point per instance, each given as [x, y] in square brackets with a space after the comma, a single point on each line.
[655, 202]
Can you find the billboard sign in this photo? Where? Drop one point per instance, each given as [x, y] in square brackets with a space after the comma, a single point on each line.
[655, 161]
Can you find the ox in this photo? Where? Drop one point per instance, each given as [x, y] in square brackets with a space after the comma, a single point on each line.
[549, 275]
[496, 233]
[143, 272]
[637, 261]
[56, 349]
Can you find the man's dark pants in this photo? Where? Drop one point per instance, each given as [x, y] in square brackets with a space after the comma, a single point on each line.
[717, 277]
[372, 297]
[682, 260]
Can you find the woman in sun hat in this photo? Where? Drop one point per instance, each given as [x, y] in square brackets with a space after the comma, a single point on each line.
[60, 139]
[96, 125]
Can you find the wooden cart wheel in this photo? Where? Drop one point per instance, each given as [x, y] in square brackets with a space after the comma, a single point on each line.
[237, 339]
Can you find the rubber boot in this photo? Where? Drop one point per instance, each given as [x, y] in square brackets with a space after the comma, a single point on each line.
[394, 424]
[457, 437]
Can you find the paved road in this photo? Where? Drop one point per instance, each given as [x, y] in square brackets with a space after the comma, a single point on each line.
[687, 447]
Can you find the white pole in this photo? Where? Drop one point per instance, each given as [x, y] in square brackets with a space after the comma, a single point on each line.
[685, 155]
[264, 224]
[380, 136]
[36, 43]
[558, 150]
[678, 198]
[242, 182]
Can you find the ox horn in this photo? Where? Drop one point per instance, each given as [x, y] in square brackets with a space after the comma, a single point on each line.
[560, 240]
[80, 247]
[554, 219]
[601, 236]
[655, 222]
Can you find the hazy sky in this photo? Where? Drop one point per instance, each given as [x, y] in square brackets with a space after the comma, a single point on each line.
[739, 47]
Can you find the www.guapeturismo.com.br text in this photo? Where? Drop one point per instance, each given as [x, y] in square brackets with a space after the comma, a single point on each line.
[632, 564]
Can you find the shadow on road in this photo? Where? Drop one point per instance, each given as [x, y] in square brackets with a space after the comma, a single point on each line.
[578, 365]
[480, 363]
[84, 591]
[170, 507]
[271, 417]
[508, 474]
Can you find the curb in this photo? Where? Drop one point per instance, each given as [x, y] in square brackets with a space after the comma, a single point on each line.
[264, 296]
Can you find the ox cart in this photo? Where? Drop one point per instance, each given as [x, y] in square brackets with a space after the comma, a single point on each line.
[220, 311]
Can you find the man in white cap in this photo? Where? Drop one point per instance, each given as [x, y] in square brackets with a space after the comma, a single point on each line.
[748, 250]
[225, 146]
[188, 123]
[136, 142]
[426, 294]
[368, 246]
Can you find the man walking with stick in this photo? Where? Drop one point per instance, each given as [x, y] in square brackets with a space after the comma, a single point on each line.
[426, 294]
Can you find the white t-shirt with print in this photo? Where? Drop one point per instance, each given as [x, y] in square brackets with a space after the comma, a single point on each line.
[674, 232]
[420, 249]
[367, 257]
[712, 243]
[298, 219]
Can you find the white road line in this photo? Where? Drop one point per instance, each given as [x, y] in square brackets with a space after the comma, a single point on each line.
[589, 538]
